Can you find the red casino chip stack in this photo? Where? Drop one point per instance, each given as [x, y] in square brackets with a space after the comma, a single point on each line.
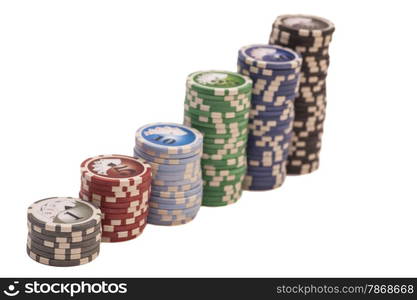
[120, 185]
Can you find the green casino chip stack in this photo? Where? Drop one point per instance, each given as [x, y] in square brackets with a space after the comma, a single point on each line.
[217, 104]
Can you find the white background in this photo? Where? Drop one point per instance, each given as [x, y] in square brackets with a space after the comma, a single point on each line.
[77, 78]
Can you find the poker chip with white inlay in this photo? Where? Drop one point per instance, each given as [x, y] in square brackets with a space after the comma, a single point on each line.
[217, 103]
[275, 72]
[120, 185]
[173, 151]
[310, 36]
[63, 231]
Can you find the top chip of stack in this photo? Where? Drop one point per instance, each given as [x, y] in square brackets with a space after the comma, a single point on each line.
[120, 185]
[173, 152]
[275, 74]
[217, 104]
[219, 83]
[305, 26]
[63, 231]
[310, 36]
[168, 140]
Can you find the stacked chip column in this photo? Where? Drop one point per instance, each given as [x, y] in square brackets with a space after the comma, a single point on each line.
[217, 104]
[275, 74]
[120, 186]
[63, 231]
[173, 151]
[310, 36]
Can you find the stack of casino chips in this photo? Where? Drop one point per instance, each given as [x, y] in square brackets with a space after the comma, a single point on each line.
[173, 151]
[310, 36]
[120, 185]
[63, 231]
[217, 104]
[275, 73]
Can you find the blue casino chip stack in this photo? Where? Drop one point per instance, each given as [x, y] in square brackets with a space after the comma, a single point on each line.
[275, 73]
[310, 36]
[174, 153]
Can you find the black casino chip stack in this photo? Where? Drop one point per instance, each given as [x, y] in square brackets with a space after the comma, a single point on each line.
[310, 36]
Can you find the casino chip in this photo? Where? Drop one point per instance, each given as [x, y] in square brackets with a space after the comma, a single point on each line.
[310, 36]
[217, 103]
[173, 151]
[63, 231]
[275, 72]
[120, 185]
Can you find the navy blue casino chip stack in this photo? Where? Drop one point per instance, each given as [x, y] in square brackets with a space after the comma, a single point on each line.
[275, 72]
[174, 153]
[310, 36]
